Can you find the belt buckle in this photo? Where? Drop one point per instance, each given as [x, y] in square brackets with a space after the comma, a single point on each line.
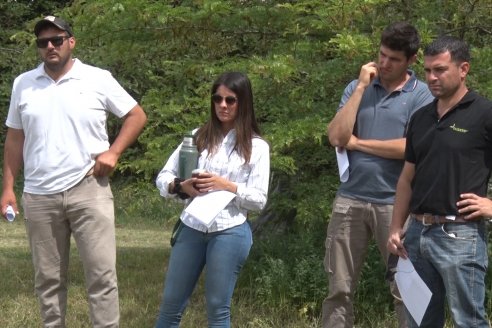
[427, 219]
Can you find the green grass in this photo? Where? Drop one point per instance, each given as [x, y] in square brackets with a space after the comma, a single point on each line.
[143, 249]
[142, 255]
[281, 286]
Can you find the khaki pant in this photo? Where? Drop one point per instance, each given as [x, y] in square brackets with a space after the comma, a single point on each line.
[85, 211]
[350, 229]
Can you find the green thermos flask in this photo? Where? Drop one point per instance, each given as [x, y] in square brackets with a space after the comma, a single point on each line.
[188, 157]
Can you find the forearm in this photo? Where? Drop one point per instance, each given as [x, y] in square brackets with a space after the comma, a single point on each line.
[401, 208]
[391, 149]
[12, 162]
[132, 127]
[10, 170]
[12, 158]
[167, 174]
[400, 211]
[341, 127]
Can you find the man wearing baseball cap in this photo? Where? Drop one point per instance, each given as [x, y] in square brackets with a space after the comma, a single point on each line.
[52, 21]
[57, 131]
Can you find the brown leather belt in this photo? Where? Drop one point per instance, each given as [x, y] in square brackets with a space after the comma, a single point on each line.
[429, 219]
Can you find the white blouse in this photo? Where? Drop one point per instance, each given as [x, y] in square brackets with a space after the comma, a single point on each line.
[251, 179]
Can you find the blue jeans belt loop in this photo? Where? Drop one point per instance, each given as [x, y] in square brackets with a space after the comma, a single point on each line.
[430, 219]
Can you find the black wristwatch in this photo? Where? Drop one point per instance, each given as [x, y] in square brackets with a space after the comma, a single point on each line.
[178, 189]
[177, 186]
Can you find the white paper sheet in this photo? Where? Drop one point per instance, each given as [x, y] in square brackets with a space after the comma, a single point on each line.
[205, 208]
[413, 290]
[343, 164]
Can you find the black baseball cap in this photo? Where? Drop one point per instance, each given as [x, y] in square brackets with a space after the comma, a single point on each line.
[53, 21]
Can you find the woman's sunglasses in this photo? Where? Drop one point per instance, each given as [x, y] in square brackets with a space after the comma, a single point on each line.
[230, 100]
[56, 41]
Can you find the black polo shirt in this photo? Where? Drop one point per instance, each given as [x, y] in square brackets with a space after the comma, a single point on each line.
[451, 156]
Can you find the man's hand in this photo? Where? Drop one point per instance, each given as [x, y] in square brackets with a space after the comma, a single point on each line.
[133, 124]
[341, 126]
[367, 73]
[475, 206]
[105, 163]
[8, 198]
[352, 144]
[395, 244]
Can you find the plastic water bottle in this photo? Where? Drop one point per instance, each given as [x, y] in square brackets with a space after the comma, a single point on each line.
[188, 157]
[10, 213]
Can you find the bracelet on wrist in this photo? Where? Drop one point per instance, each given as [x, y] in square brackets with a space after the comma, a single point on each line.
[177, 189]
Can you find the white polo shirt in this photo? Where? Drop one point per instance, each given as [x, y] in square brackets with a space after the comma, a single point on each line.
[64, 123]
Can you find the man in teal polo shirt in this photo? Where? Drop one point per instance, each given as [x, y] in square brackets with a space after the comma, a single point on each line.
[370, 124]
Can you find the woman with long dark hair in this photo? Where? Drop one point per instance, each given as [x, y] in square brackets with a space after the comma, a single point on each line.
[236, 159]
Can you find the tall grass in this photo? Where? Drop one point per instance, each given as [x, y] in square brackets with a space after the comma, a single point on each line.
[143, 227]
[282, 284]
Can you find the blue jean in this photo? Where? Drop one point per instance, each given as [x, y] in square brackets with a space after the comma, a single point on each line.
[452, 260]
[223, 253]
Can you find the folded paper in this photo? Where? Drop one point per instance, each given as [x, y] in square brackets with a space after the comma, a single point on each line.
[413, 290]
[343, 164]
[206, 207]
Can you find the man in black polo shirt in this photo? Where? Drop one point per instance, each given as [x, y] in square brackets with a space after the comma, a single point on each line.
[443, 186]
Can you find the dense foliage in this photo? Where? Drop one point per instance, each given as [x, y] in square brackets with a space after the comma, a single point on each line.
[299, 56]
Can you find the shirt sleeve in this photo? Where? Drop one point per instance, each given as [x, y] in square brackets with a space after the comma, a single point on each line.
[409, 153]
[118, 100]
[252, 195]
[488, 125]
[347, 93]
[168, 173]
[13, 117]
[423, 97]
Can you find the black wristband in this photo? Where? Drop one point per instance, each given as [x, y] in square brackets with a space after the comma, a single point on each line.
[177, 189]
[175, 182]
[177, 185]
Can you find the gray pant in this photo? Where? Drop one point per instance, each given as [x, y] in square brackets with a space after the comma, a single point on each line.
[349, 231]
[85, 211]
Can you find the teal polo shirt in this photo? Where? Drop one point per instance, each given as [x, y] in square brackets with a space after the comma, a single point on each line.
[381, 116]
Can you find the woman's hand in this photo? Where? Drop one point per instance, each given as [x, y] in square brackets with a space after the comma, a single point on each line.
[206, 182]
[187, 186]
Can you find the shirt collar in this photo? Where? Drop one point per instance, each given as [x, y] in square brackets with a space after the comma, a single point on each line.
[470, 96]
[74, 73]
[409, 86]
[230, 136]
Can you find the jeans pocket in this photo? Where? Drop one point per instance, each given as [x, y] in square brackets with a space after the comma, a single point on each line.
[454, 231]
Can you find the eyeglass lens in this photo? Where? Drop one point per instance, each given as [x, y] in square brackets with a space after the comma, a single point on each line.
[230, 100]
[56, 41]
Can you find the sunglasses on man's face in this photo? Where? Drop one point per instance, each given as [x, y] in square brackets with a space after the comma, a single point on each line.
[56, 41]
[230, 100]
